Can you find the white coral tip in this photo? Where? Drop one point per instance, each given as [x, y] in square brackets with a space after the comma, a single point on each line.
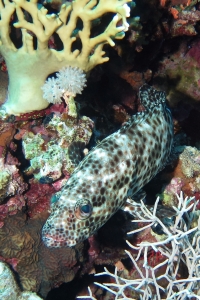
[127, 10]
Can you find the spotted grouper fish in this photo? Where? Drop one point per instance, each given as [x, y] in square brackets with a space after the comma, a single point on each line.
[116, 169]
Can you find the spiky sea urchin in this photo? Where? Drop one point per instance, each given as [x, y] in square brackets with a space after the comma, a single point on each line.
[68, 79]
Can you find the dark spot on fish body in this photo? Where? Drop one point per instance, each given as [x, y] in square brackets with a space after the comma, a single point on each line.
[118, 182]
[112, 163]
[112, 170]
[140, 151]
[120, 198]
[78, 225]
[103, 199]
[87, 223]
[116, 159]
[126, 180]
[139, 133]
[144, 139]
[128, 163]
[112, 203]
[99, 184]
[114, 187]
[97, 218]
[119, 152]
[120, 185]
[96, 171]
[105, 145]
[102, 190]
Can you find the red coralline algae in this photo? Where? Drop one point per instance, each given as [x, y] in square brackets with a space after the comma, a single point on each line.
[12, 187]
[38, 197]
[7, 131]
[179, 74]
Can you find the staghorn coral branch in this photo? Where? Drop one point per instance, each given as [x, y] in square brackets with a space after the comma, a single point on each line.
[43, 25]
[27, 40]
[6, 11]
[89, 10]
[65, 31]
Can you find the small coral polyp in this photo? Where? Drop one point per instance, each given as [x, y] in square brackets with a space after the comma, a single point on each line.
[68, 80]
[28, 67]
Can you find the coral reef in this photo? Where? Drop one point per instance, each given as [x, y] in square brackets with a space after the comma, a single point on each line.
[56, 146]
[176, 273]
[27, 78]
[190, 162]
[179, 74]
[9, 289]
[40, 149]
[11, 182]
[12, 187]
[38, 267]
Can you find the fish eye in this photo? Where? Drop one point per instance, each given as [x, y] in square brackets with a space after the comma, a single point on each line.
[83, 209]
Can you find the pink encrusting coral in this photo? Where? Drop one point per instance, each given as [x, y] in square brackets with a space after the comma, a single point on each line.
[56, 146]
[12, 187]
[179, 74]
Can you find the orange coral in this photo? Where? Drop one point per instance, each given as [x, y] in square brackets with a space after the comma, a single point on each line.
[136, 79]
[162, 3]
[174, 12]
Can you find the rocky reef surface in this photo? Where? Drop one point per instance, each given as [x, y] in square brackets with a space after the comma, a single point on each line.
[39, 151]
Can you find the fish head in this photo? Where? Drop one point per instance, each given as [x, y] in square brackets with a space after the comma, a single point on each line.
[71, 222]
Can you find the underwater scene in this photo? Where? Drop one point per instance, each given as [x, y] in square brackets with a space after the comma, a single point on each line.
[99, 149]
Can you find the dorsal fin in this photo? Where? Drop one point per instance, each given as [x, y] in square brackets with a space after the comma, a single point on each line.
[150, 97]
[133, 121]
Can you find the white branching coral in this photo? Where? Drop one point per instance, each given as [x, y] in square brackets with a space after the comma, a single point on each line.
[68, 80]
[180, 249]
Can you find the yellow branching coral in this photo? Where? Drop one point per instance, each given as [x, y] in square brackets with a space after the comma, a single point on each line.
[30, 64]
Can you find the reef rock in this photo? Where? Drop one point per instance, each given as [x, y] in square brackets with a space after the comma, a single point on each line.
[8, 286]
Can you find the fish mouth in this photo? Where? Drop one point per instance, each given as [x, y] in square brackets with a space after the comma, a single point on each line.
[55, 242]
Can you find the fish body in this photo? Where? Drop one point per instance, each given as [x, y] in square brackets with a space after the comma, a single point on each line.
[114, 170]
